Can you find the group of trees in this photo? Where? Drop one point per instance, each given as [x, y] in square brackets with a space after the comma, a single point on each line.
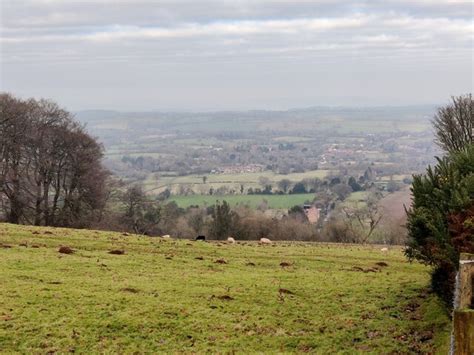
[145, 215]
[348, 224]
[441, 220]
[50, 168]
[341, 184]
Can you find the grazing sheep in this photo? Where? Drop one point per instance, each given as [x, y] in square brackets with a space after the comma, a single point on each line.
[231, 240]
[201, 237]
[167, 236]
[265, 241]
[384, 250]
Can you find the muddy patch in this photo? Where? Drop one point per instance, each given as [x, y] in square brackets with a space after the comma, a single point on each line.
[117, 252]
[284, 291]
[130, 290]
[66, 250]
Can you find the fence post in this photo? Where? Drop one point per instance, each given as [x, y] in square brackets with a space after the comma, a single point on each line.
[463, 317]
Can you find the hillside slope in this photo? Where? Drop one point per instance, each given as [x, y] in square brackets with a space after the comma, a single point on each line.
[175, 296]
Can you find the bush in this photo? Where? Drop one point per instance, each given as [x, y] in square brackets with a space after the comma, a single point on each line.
[439, 222]
[393, 186]
[337, 231]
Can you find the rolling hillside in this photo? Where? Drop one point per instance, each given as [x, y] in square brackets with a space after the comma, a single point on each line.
[165, 295]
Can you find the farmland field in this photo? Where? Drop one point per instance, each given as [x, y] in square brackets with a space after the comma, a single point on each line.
[156, 184]
[273, 201]
[179, 296]
[394, 204]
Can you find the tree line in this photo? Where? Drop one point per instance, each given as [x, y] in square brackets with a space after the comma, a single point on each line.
[50, 167]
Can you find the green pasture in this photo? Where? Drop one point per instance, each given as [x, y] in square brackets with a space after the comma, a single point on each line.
[177, 296]
[254, 201]
[157, 183]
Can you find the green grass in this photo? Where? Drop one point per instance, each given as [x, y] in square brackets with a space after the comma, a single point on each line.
[233, 181]
[158, 297]
[244, 177]
[273, 201]
[359, 196]
[356, 199]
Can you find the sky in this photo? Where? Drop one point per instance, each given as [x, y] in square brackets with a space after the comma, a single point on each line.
[141, 55]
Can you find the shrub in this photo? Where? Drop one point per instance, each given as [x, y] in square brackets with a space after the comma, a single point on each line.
[439, 220]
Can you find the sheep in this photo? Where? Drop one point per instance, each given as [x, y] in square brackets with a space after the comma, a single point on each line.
[167, 236]
[201, 237]
[231, 240]
[265, 241]
[384, 250]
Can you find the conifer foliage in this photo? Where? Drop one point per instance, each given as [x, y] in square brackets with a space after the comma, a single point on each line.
[441, 219]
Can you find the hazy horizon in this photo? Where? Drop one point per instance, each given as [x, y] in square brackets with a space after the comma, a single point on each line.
[289, 109]
[236, 55]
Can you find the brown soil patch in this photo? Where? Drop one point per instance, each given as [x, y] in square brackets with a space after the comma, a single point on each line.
[359, 269]
[65, 250]
[117, 252]
[285, 291]
[371, 269]
[130, 289]
[225, 298]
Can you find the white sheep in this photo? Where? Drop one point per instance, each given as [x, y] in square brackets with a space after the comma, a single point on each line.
[384, 250]
[167, 236]
[231, 240]
[265, 241]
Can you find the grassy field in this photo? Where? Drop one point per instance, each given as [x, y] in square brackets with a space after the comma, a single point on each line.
[156, 184]
[273, 201]
[179, 296]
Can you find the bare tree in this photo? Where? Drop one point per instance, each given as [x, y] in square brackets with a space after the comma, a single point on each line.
[454, 124]
[50, 168]
[263, 181]
[14, 129]
[142, 215]
[284, 185]
[362, 221]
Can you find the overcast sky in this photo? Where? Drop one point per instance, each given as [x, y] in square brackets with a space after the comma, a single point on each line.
[214, 55]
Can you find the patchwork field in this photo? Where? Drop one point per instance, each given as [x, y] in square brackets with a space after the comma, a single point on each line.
[272, 201]
[155, 184]
[179, 296]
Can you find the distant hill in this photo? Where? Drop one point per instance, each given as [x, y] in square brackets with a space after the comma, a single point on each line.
[260, 120]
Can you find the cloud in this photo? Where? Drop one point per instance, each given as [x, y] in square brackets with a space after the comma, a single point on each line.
[107, 38]
[232, 28]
